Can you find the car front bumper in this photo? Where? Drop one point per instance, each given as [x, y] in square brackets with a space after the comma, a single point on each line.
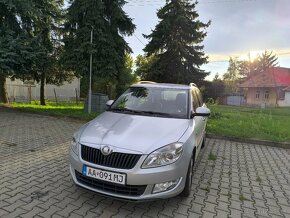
[137, 178]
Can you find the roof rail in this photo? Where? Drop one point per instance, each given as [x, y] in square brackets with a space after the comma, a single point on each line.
[192, 84]
[146, 82]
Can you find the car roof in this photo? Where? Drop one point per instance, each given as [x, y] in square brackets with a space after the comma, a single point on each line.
[162, 85]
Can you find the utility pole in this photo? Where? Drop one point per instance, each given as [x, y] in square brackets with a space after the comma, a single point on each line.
[90, 85]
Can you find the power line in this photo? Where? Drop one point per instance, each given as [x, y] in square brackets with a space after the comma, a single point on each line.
[138, 39]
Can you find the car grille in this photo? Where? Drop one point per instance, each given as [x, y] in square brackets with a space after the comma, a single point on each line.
[131, 190]
[114, 160]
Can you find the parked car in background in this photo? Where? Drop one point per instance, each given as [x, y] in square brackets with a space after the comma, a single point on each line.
[144, 146]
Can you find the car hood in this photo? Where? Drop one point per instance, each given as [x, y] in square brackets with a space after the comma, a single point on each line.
[135, 133]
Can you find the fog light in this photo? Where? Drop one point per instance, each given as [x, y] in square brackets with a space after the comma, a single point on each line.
[165, 186]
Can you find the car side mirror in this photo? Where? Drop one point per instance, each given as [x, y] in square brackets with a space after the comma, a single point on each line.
[109, 103]
[201, 112]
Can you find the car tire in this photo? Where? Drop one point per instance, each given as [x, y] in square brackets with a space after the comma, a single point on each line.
[203, 142]
[187, 188]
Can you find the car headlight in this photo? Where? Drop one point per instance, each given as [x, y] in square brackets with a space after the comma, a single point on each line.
[164, 156]
[75, 144]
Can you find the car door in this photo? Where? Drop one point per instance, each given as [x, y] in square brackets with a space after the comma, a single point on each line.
[204, 119]
[198, 120]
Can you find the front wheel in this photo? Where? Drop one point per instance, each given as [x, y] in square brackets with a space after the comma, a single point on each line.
[188, 182]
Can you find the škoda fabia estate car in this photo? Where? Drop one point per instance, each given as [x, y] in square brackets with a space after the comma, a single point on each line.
[144, 146]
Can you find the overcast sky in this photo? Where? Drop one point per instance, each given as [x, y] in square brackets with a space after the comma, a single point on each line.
[238, 27]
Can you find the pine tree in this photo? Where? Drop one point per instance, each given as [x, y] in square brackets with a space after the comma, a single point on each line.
[109, 24]
[260, 64]
[28, 41]
[46, 42]
[267, 60]
[176, 43]
[16, 54]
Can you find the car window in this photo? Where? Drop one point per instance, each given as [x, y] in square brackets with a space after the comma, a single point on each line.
[195, 102]
[199, 97]
[155, 100]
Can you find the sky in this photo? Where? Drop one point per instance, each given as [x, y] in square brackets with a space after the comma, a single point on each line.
[238, 28]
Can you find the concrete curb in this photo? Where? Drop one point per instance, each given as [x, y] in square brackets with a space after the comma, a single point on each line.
[285, 145]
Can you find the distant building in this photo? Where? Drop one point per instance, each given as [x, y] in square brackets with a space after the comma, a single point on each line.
[268, 89]
[26, 91]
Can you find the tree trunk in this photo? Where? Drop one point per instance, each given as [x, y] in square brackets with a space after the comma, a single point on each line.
[42, 85]
[3, 96]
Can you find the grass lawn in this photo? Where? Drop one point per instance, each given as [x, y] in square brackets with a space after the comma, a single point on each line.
[271, 124]
[61, 109]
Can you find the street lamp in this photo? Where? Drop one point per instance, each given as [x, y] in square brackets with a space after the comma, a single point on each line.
[90, 83]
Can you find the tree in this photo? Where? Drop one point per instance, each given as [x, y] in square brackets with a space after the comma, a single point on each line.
[231, 77]
[267, 60]
[261, 63]
[214, 89]
[15, 53]
[109, 24]
[176, 43]
[28, 31]
[46, 67]
[7, 59]
[144, 65]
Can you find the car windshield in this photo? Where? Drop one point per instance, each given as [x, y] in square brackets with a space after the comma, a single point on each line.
[153, 101]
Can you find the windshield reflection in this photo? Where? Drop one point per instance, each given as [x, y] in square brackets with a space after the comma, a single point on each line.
[151, 101]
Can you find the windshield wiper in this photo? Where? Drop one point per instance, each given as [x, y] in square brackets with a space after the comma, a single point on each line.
[156, 113]
[122, 110]
[142, 112]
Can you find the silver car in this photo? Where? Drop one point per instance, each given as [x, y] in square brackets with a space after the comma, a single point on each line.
[144, 146]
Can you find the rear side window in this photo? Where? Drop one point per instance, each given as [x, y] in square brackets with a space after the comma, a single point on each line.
[195, 102]
[196, 98]
[199, 96]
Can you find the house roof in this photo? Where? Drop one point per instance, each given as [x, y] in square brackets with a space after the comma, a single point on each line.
[273, 77]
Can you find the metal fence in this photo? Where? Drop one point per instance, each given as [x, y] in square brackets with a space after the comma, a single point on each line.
[26, 93]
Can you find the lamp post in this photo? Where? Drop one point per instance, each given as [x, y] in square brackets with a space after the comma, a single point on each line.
[90, 83]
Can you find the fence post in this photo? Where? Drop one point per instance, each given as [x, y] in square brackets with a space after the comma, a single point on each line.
[29, 93]
[7, 95]
[13, 94]
[55, 95]
[77, 99]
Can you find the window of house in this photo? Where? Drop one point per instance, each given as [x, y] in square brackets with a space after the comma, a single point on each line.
[258, 94]
[267, 93]
[281, 94]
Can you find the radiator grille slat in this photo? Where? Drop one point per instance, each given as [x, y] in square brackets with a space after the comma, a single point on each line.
[114, 160]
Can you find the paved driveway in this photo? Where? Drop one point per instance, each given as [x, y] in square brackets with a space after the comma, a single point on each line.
[230, 180]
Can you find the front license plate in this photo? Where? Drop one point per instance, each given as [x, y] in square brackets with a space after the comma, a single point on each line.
[104, 175]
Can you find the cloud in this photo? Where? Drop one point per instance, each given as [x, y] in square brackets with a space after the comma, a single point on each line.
[246, 25]
[220, 57]
[238, 27]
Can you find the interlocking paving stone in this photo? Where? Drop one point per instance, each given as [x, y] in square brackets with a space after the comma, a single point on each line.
[32, 213]
[35, 180]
